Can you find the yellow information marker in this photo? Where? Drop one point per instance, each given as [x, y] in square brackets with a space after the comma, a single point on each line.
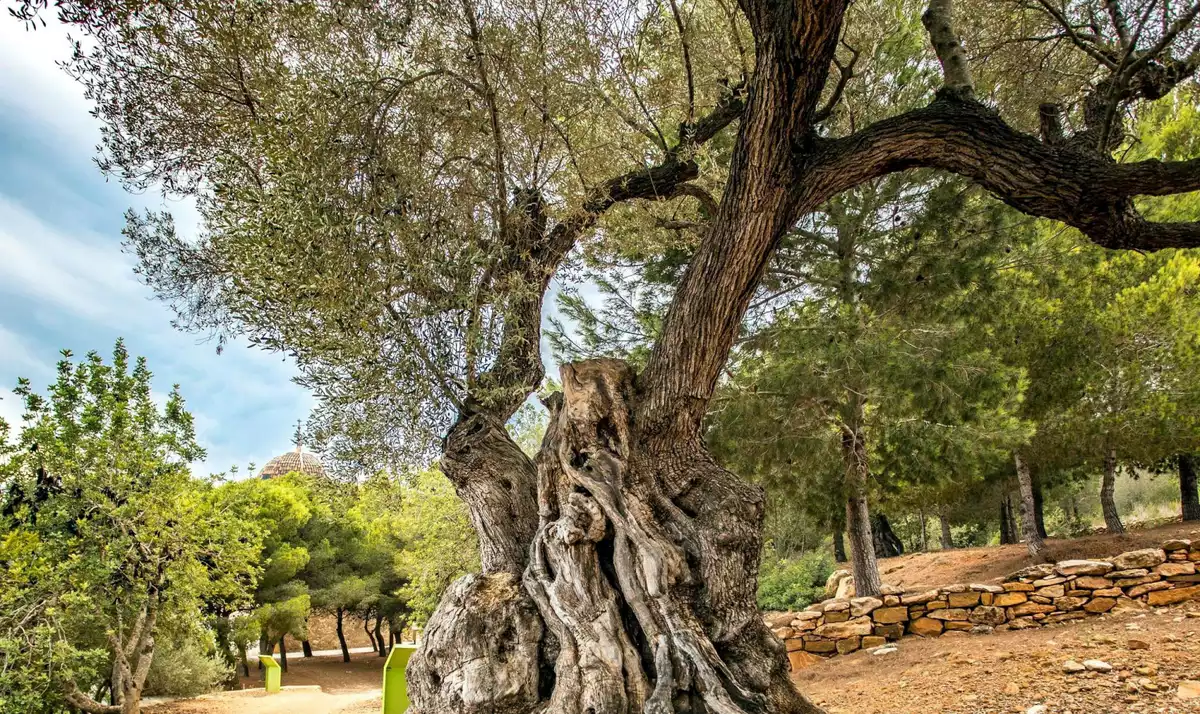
[271, 673]
[395, 686]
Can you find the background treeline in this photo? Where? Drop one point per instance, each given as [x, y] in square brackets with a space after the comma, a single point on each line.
[123, 574]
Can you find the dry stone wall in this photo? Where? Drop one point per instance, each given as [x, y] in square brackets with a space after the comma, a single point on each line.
[1036, 596]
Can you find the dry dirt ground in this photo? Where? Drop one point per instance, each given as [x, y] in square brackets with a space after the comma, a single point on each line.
[317, 685]
[1151, 651]
[974, 565]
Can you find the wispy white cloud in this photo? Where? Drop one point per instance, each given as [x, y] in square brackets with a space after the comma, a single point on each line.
[37, 91]
[86, 277]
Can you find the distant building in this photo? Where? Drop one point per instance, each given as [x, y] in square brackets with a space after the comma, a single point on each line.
[296, 460]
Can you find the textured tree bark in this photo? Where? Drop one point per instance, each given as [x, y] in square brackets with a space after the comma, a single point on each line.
[306, 648]
[1189, 499]
[947, 536]
[863, 562]
[924, 531]
[839, 546]
[498, 482]
[1039, 507]
[1108, 503]
[639, 593]
[1029, 531]
[283, 663]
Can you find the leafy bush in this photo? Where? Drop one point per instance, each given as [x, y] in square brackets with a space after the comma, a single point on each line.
[970, 535]
[186, 668]
[793, 583]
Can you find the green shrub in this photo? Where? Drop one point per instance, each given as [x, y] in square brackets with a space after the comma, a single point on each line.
[793, 583]
[970, 535]
[186, 668]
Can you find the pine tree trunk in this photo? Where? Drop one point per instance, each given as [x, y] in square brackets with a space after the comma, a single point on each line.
[863, 562]
[1189, 499]
[306, 648]
[839, 547]
[383, 650]
[1108, 502]
[887, 543]
[639, 593]
[245, 662]
[367, 629]
[947, 537]
[283, 653]
[1006, 534]
[341, 633]
[924, 532]
[1029, 530]
[1039, 508]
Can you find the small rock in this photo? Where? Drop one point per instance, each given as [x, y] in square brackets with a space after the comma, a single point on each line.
[1138, 645]
[1097, 665]
[1012, 688]
[1188, 689]
[1037, 709]
[885, 650]
[1073, 667]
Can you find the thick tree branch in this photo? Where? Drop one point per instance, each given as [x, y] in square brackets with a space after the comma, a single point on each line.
[794, 47]
[84, 703]
[1067, 183]
[535, 250]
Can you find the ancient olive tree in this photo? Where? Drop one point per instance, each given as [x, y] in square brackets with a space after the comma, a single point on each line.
[388, 190]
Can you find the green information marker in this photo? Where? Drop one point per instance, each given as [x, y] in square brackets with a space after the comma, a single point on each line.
[395, 686]
[271, 672]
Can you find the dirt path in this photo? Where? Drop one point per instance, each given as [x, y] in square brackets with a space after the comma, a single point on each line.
[317, 685]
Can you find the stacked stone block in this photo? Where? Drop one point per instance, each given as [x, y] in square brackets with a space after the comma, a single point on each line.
[1036, 596]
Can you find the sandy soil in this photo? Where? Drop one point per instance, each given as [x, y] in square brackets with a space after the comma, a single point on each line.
[965, 565]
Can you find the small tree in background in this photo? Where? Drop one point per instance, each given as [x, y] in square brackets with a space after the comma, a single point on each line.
[103, 536]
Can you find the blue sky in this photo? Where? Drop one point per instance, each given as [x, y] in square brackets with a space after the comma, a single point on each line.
[64, 281]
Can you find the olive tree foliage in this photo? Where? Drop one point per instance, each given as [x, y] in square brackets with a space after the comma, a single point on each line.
[388, 190]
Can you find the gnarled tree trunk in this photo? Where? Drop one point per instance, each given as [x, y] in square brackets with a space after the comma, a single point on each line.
[1108, 501]
[639, 593]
